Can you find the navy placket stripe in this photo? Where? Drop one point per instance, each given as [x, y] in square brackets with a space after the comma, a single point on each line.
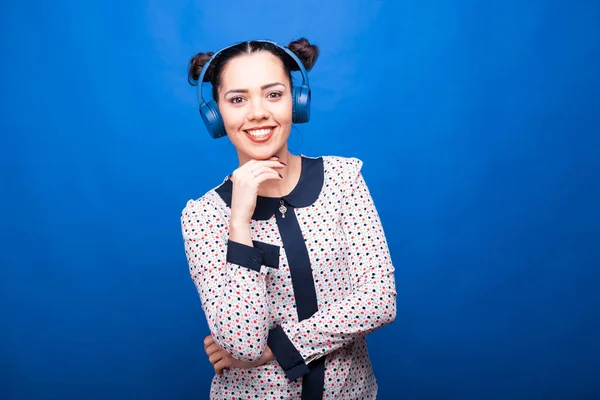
[304, 292]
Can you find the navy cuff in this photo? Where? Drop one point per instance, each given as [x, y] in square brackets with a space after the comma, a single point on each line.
[245, 256]
[286, 354]
[270, 253]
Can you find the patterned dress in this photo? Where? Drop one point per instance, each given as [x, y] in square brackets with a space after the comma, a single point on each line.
[316, 281]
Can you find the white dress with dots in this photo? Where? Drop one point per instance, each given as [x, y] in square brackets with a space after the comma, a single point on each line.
[318, 278]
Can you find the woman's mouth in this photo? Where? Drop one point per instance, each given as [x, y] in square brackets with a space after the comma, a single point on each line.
[260, 135]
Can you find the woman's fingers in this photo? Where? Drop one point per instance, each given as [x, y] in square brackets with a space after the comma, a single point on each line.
[222, 364]
[208, 341]
[261, 173]
[258, 174]
[252, 167]
[215, 357]
[213, 348]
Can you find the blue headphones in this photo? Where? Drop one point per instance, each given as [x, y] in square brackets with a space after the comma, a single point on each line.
[300, 97]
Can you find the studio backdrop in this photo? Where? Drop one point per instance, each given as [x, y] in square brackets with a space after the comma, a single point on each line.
[478, 125]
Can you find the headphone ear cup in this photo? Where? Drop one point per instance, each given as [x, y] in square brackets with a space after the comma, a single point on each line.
[301, 104]
[212, 119]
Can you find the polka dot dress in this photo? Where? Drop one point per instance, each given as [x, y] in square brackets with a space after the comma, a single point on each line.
[317, 280]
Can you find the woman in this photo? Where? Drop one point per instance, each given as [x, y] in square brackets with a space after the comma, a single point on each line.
[288, 253]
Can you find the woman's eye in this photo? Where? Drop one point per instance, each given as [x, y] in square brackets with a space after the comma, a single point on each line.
[274, 95]
[236, 100]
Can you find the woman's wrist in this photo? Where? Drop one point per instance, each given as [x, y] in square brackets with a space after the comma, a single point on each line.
[239, 231]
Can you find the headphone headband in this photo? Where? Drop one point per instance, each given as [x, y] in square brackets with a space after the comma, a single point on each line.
[288, 52]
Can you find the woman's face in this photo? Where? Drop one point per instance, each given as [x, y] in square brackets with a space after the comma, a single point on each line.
[255, 101]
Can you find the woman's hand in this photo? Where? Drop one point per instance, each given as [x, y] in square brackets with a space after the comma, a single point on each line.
[220, 359]
[246, 180]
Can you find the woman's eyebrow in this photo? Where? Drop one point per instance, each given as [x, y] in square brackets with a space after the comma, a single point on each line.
[263, 87]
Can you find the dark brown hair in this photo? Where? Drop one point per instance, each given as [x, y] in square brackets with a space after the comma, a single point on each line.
[306, 52]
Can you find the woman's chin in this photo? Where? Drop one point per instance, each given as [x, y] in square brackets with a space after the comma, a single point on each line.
[266, 153]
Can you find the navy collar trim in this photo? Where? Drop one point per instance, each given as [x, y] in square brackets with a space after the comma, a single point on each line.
[304, 194]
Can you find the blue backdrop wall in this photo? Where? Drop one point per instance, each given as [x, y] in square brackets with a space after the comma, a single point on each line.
[479, 127]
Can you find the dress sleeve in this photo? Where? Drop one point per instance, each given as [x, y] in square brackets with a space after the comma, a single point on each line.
[230, 279]
[372, 303]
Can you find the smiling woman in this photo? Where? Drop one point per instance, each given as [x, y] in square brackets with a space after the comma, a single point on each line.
[288, 253]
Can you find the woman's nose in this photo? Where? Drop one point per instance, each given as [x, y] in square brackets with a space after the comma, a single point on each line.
[257, 111]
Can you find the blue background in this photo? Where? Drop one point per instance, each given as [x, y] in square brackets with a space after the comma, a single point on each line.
[479, 127]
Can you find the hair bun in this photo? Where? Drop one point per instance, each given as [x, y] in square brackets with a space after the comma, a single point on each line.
[306, 52]
[195, 67]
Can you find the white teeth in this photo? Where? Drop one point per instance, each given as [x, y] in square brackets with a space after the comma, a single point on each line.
[259, 132]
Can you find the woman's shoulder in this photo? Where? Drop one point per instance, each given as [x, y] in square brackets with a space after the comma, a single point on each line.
[342, 163]
[208, 203]
[341, 168]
